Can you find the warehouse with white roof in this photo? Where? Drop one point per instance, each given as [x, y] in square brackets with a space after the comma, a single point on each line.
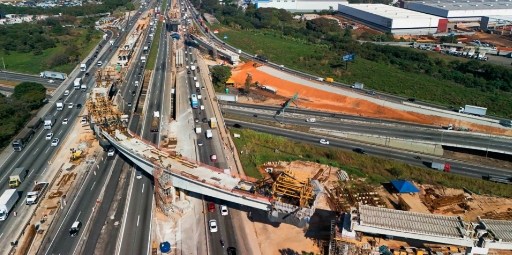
[300, 5]
[392, 19]
[461, 8]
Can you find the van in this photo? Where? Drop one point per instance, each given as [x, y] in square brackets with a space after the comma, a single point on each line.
[197, 84]
[202, 107]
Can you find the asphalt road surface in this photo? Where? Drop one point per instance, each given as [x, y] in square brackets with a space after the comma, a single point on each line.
[400, 130]
[405, 157]
[8, 76]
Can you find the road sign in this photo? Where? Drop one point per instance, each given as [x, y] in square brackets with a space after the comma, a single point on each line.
[349, 57]
[295, 97]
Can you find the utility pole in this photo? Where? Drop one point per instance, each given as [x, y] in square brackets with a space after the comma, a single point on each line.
[3, 62]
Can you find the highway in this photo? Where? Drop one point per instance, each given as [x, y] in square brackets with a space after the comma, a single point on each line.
[457, 167]
[136, 230]
[41, 147]
[372, 126]
[88, 195]
[8, 76]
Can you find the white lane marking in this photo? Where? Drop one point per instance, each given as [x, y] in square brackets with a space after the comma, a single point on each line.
[47, 150]
[143, 188]
[44, 170]
[78, 215]
[92, 187]
[138, 218]
[1, 235]
[59, 132]
[30, 173]
[36, 151]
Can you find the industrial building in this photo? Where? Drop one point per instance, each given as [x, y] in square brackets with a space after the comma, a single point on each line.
[462, 9]
[299, 5]
[391, 19]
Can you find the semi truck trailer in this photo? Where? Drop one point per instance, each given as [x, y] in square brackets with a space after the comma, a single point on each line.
[21, 141]
[53, 75]
[7, 201]
[474, 110]
[440, 166]
[227, 97]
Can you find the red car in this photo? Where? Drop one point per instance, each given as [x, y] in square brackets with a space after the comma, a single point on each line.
[213, 158]
[211, 207]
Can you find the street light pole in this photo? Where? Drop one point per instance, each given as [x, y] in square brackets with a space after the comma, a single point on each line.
[3, 62]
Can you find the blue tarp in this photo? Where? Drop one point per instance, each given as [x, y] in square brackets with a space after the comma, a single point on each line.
[165, 247]
[404, 187]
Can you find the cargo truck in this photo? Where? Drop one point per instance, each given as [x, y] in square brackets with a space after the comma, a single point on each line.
[197, 84]
[59, 105]
[198, 129]
[17, 177]
[227, 97]
[474, 110]
[209, 134]
[83, 87]
[77, 83]
[269, 89]
[213, 122]
[329, 79]
[49, 120]
[21, 141]
[358, 85]
[37, 191]
[440, 166]
[7, 201]
[53, 75]
[155, 122]
[35, 123]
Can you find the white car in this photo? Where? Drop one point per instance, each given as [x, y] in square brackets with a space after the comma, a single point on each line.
[66, 92]
[65, 121]
[312, 120]
[213, 226]
[51, 81]
[136, 83]
[223, 210]
[100, 63]
[49, 136]
[111, 152]
[55, 142]
[323, 141]
[83, 121]
[138, 175]
[70, 105]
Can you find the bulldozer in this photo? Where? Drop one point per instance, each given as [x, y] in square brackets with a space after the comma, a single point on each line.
[75, 154]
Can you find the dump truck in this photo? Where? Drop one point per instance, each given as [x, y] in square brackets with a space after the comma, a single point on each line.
[474, 110]
[37, 191]
[155, 122]
[7, 202]
[53, 75]
[329, 79]
[227, 97]
[17, 177]
[358, 85]
[35, 123]
[440, 166]
[49, 120]
[21, 141]
[213, 122]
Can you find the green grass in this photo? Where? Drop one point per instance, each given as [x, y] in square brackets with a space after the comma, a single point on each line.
[28, 63]
[297, 54]
[154, 48]
[259, 148]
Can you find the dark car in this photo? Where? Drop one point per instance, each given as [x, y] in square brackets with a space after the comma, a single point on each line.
[371, 93]
[78, 106]
[205, 120]
[231, 251]
[86, 74]
[198, 90]
[211, 207]
[359, 150]
[75, 228]
[188, 72]
[411, 99]
[237, 125]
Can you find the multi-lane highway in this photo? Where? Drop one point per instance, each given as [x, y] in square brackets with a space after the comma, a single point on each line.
[8, 76]
[371, 126]
[457, 167]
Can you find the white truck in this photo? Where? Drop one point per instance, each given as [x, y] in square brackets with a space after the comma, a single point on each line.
[474, 110]
[358, 85]
[227, 97]
[37, 191]
[77, 83]
[48, 121]
[269, 89]
[198, 129]
[83, 67]
[53, 75]
[7, 201]
[209, 134]
[193, 68]
[143, 59]
[197, 84]
[59, 105]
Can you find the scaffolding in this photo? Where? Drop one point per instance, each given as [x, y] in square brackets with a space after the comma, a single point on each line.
[296, 187]
[164, 193]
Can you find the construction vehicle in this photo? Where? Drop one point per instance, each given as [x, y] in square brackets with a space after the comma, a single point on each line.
[213, 122]
[155, 122]
[17, 177]
[37, 191]
[75, 154]
[7, 202]
[329, 79]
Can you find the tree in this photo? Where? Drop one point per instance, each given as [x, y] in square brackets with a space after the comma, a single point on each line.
[248, 83]
[220, 74]
[29, 94]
